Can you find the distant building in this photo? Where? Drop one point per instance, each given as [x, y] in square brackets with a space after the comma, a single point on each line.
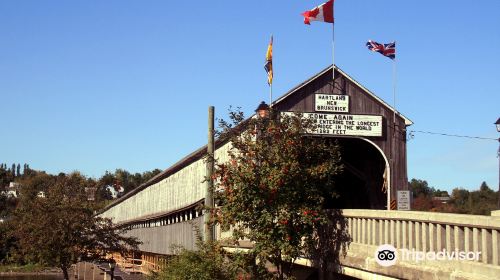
[115, 190]
[442, 199]
[90, 193]
[12, 190]
[41, 194]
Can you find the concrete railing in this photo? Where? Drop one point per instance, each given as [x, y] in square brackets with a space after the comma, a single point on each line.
[419, 233]
[427, 231]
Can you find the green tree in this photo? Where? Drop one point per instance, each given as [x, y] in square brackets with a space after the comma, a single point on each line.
[441, 193]
[483, 201]
[106, 180]
[5, 177]
[461, 201]
[39, 181]
[420, 187]
[148, 175]
[485, 188]
[7, 243]
[61, 228]
[274, 187]
[27, 171]
[208, 262]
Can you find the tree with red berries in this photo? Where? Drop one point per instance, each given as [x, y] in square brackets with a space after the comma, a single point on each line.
[275, 185]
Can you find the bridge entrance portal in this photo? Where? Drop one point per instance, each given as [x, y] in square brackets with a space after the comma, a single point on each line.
[362, 186]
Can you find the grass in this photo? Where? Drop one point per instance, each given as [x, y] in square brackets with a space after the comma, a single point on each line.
[22, 268]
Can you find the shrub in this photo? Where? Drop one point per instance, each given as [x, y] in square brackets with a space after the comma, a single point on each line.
[209, 262]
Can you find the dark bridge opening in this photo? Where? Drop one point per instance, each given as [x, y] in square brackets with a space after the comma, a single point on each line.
[362, 184]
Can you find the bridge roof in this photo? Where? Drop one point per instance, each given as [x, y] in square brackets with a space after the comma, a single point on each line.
[408, 122]
[199, 153]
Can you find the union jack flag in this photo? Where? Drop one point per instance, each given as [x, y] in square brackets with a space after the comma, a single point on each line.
[388, 50]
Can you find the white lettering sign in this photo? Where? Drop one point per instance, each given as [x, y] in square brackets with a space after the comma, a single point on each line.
[332, 103]
[348, 125]
[403, 200]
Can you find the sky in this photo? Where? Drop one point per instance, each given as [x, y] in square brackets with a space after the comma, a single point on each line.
[99, 85]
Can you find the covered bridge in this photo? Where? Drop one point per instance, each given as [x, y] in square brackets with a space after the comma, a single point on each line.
[373, 135]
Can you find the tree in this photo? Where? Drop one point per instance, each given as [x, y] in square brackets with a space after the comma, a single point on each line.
[148, 175]
[422, 203]
[441, 193]
[106, 180]
[483, 201]
[274, 187]
[484, 187]
[8, 243]
[61, 228]
[5, 177]
[420, 187]
[123, 180]
[460, 198]
[27, 171]
[208, 262]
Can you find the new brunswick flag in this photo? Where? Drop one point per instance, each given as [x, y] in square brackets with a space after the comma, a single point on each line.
[269, 62]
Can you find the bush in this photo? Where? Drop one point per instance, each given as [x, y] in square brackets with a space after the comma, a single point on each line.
[209, 262]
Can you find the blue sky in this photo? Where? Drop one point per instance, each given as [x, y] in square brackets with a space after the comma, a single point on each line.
[100, 85]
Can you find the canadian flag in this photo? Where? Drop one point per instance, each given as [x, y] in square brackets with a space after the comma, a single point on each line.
[323, 12]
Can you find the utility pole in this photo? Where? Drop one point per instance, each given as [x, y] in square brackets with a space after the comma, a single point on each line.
[497, 124]
[209, 198]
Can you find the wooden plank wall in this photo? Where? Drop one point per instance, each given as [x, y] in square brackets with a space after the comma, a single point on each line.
[179, 190]
[159, 239]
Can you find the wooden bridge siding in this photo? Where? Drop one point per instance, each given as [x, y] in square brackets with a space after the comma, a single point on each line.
[360, 103]
[181, 189]
[160, 239]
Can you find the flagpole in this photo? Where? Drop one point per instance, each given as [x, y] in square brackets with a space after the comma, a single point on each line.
[272, 71]
[333, 53]
[269, 68]
[394, 89]
[271, 94]
[393, 124]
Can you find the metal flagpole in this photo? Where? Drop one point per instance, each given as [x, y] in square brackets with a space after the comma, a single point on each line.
[333, 52]
[271, 92]
[394, 86]
[272, 73]
[393, 125]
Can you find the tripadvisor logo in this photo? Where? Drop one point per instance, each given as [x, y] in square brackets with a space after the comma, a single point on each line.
[386, 255]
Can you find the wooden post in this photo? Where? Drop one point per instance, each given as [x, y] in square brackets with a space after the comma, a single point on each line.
[209, 199]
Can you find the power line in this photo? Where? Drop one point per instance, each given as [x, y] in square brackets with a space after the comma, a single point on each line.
[453, 135]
